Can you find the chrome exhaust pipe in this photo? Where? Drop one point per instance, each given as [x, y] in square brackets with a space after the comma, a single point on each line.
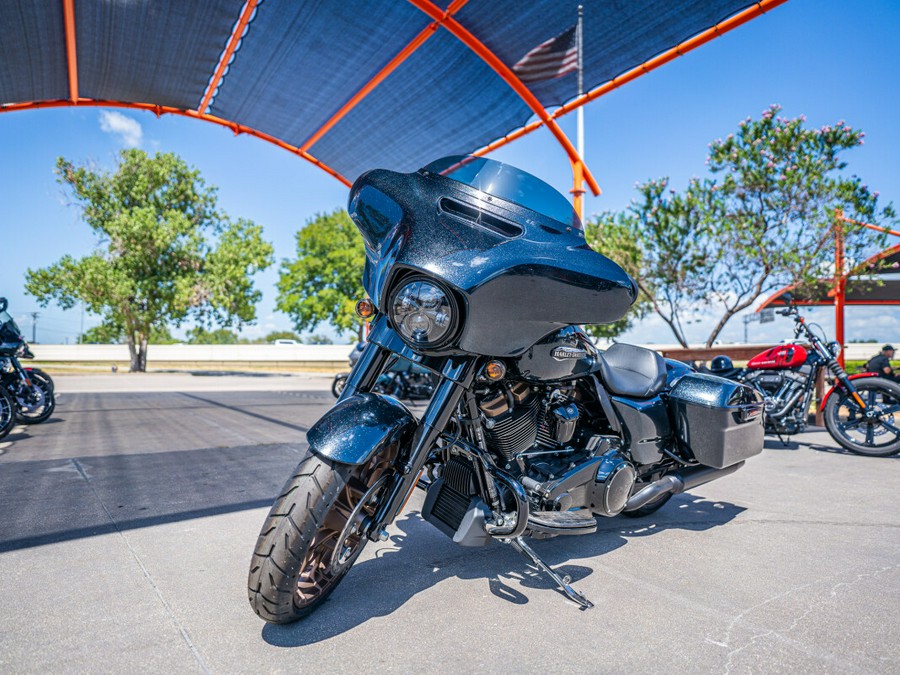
[676, 483]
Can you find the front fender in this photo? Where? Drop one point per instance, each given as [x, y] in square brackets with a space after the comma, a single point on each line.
[855, 376]
[359, 427]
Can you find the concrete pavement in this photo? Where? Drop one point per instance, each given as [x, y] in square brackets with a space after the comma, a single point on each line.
[128, 521]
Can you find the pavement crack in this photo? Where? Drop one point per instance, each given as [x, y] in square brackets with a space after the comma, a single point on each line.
[168, 609]
[812, 606]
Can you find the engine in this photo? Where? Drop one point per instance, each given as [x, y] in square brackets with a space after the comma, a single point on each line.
[558, 446]
[783, 391]
[521, 418]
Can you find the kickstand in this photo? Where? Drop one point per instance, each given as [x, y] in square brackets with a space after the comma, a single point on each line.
[563, 582]
[781, 438]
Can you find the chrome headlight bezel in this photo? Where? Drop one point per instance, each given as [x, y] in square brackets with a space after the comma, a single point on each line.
[834, 348]
[424, 312]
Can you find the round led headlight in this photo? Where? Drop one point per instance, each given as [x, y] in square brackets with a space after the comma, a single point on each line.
[835, 348]
[423, 313]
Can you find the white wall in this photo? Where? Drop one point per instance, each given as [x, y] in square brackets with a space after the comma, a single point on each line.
[270, 353]
[261, 353]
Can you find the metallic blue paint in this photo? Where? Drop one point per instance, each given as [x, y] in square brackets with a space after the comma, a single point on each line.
[361, 426]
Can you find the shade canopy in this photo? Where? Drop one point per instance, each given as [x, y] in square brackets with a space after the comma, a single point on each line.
[347, 85]
[874, 282]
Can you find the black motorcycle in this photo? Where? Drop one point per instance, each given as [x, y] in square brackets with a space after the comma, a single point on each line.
[480, 273]
[402, 379]
[30, 388]
[861, 411]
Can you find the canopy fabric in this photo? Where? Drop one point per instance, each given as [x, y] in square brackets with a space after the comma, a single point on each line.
[860, 287]
[351, 84]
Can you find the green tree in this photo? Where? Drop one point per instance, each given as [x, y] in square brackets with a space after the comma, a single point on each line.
[318, 339]
[606, 233]
[112, 334]
[765, 219]
[324, 281]
[219, 336]
[165, 252]
[281, 335]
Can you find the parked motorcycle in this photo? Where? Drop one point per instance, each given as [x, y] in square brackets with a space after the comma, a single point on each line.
[480, 273]
[31, 388]
[862, 411]
[7, 412]
[402, 379]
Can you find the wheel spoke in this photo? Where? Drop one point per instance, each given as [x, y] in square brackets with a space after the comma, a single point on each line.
[890, 427]
[870, 434]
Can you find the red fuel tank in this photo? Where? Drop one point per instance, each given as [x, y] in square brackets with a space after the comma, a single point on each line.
[782, 356]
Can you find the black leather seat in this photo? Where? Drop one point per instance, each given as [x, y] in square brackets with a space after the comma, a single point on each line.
[627, 370]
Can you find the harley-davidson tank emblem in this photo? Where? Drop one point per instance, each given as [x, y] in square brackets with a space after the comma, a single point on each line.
[568, 353]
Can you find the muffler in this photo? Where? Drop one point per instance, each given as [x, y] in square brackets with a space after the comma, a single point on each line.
[677, 482]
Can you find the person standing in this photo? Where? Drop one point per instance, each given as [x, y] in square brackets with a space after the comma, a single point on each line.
[881, 364]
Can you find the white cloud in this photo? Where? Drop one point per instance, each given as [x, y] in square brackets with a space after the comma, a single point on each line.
[127, 129]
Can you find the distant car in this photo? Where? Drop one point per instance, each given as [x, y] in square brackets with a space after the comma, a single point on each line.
[286, 342]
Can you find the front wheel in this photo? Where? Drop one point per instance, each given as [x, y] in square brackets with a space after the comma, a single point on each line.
[312, 536]
[874, 431]
[7, 412]
[35, 403]
[337, 386]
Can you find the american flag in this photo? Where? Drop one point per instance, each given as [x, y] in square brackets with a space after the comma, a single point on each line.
[553, 58]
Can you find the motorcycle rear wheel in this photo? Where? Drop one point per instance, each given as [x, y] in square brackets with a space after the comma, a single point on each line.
[310, 540]
[650, 507]
[847, 424]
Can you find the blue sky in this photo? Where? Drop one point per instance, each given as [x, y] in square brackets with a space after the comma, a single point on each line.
[826, 59]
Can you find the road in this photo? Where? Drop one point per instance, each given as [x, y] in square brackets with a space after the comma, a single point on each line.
[129, 518]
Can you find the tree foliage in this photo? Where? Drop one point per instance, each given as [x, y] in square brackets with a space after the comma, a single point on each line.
[763, 220]
[165, 252]
[198, 335]
[324, 282]
[111, 334]
[609, 234]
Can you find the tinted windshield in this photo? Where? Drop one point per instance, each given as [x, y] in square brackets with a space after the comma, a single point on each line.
[509, 183]
[9, 331]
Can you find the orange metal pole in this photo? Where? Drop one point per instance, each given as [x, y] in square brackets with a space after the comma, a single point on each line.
[392, 65]
[840, 216]
[233, 42]
[681, 49]
[840, 284]
[508, 76]
[578, 189]
[71, 51]
[193, 114]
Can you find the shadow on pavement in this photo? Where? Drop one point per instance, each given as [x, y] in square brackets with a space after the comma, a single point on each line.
[422, 557]
[49, 501]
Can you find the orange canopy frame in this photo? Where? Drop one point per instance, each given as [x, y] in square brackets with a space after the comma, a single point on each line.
[441, 20]
[842, 290]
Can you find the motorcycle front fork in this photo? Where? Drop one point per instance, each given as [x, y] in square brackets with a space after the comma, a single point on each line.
[456, 376]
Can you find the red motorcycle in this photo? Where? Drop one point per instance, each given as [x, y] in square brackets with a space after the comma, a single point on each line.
[862, 412]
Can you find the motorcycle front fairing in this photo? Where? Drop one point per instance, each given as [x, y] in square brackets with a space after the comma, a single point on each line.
[520, 274]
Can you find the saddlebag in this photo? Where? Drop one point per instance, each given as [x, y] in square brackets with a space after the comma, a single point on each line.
[717, 421]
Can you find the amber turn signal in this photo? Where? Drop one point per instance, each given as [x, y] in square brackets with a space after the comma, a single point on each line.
[494, 370]
[365, 308]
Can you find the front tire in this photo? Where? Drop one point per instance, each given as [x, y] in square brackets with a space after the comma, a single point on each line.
[875, 436]
[35, 407]
[310, 540]
[7, 412]
[337, 386]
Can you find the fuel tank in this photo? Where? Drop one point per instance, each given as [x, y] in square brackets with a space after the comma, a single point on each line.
[565, 354]
[782, 356]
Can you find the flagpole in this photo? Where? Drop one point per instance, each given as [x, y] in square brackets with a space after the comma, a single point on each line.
[580, 119]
